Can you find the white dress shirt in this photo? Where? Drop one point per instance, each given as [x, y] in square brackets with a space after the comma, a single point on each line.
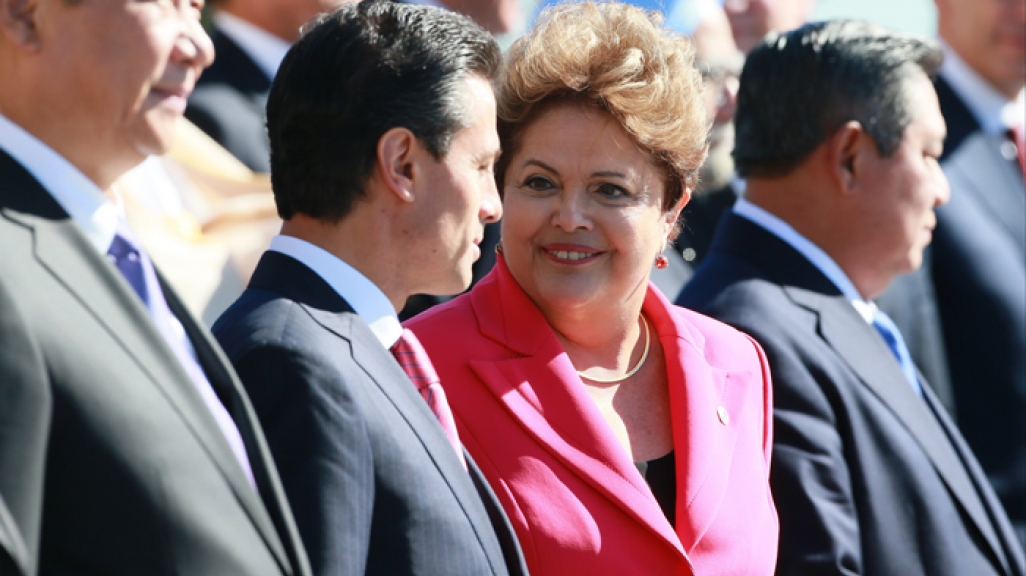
[367, 300]
[266, 49]
[79, 196]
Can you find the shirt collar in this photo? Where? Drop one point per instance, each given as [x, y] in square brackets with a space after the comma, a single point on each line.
[369, 302]
[79, 196]
[992, 110]
[266, 49]
[810, 251]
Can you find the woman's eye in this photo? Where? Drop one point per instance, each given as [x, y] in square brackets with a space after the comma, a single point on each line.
[537, 183]
[607, 190]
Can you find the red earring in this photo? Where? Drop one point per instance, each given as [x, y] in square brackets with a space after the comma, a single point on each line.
[661, 262]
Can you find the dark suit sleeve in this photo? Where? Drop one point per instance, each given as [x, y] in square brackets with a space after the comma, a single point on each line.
[25, 408]
[809, 475]
[321, 449]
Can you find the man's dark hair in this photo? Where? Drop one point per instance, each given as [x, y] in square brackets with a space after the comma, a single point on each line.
[798, 88]
[355, 74]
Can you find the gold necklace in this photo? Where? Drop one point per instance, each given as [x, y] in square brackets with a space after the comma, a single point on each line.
[632, 371]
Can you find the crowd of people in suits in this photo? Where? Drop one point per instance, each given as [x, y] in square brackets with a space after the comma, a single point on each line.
[738, 294]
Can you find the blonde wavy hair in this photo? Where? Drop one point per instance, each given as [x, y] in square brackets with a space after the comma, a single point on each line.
[617, 58]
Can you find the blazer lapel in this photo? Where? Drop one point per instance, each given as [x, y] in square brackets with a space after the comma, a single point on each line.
[66, 254]
[541, 390]
[701, 442]
[858, 344]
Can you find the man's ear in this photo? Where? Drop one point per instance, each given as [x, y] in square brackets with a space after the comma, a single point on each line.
[844, 148]
[18, 23]
[397, 149]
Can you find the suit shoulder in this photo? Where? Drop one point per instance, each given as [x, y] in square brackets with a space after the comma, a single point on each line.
[265, 319]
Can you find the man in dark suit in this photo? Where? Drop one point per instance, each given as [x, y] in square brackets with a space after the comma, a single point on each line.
[250, 39]
[127, 445]
[839, 132]
[978, 262]
[382, 127]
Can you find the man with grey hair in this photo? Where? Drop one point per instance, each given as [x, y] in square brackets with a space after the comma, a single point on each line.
[839, 132]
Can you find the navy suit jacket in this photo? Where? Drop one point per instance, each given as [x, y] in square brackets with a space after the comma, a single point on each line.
[868, 477]
[229, 104]
[374, 483]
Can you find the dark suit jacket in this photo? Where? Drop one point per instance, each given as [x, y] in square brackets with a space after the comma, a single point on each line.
[979, 275]
[110, 461]
[229, 104]
[868, 477]
[374, 483]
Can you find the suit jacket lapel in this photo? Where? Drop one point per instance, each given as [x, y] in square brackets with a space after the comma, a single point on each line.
[277, 529]
[979, 170]
[64, 252]
[858, 343]
[292, 279]
[541, 390]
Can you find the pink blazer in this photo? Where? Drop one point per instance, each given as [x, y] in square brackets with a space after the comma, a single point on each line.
[578, 504]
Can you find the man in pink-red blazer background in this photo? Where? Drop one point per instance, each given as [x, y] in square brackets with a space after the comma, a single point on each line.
[578, 504]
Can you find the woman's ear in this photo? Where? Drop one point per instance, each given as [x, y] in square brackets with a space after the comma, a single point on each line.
[396, 153]
[672, 216]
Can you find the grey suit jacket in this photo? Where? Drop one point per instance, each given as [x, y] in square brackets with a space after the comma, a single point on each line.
[868, 477]
[110, 462]
[374, 483]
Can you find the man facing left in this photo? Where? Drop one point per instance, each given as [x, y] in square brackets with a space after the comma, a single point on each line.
[127, 445]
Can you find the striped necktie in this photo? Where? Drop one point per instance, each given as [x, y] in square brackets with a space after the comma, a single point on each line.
[415, 362]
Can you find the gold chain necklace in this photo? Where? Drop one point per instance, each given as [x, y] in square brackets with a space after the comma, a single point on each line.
[632, 371]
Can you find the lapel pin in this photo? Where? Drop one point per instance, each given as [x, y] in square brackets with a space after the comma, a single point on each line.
[721, 412]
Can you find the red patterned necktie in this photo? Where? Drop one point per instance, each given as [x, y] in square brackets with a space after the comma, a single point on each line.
[1018, 134]
[415, 362]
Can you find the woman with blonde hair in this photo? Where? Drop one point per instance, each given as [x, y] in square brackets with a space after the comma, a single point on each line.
[622, 434]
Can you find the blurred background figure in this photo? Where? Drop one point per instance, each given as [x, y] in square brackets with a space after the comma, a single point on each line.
[719, 61]
[751, 20]
[203, 216]
[500, 17]
[979, 248]
[250, 39]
